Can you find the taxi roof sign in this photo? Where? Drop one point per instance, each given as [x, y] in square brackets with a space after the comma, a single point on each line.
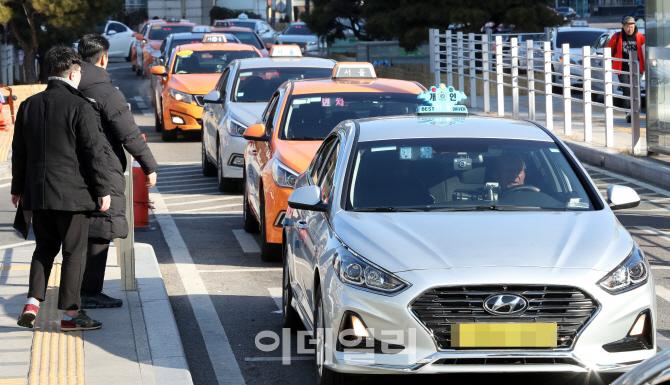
[442, 100]
[214, 38]
[354, 71]
[285, 51]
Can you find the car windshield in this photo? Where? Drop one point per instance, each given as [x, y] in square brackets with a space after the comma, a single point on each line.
[563, 9]
[297, 29]
[312, 117]
[207, 62]
[462, 174]
[258, 84]
[248, 38]
[246, 24]
[161, 32]
[578, 39]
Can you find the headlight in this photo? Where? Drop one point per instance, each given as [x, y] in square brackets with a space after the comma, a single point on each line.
[312, 43]
[283, 175]
[180, 96]
[633, 272]
[235, 128]
[354, 270]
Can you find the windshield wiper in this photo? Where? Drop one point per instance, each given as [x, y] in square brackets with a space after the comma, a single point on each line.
[497, 208]
[307, 138]
[386, 209]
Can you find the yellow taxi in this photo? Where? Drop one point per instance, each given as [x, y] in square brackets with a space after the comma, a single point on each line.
[299, 116]
[150, 41]
[191, 72]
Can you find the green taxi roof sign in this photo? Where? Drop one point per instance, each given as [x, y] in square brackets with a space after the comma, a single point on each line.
[442, 100]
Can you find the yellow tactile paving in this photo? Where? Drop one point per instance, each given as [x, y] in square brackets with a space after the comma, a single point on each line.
[57, 357]
[6, 143]
[14, 267]
[12, 381]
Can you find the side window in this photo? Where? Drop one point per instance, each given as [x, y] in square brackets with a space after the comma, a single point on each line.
[317, 163]
[269, 110]
[328, 173]
[116, 27]
[144, 30]
[162, 49]
[223, 82]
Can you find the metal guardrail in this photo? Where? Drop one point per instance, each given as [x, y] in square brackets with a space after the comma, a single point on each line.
[497, 62]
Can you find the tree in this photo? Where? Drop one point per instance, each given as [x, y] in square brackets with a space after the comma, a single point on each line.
[409, 21]
[37, 25]
[331, 18]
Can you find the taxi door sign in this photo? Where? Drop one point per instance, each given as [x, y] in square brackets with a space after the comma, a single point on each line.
[354, 71]
[441, 100]
[214, 38]
[285, 51]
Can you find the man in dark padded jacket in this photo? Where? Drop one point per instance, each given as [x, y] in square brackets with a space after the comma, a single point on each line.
[119, 128]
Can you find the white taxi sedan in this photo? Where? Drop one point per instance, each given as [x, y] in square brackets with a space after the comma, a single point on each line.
[434, 244]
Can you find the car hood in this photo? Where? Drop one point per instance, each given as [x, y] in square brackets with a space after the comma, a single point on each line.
[297, 38]
[247, 113]
[411, 241]
[296, 154]
[195, 84]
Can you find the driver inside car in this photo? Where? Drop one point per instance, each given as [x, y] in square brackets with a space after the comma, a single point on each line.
[509, 171]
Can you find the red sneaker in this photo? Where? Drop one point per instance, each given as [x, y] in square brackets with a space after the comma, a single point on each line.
[27, 317]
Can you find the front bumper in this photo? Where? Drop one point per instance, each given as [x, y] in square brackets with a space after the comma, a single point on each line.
[390, 320]
[191, 115]
[232, 148]
[276, 202]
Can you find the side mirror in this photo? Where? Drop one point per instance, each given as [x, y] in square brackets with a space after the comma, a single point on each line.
[158, 70]
[307, 198]
[111, 32]
[213, 97]
[256, 133]
[139, 37]
[134, 34]
[622, 197]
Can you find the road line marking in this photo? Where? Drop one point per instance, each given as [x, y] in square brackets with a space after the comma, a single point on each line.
[196, 176]
[182, 196]
[204, 201]
[246, 241]
[141, 104]
[147, 112]
[627, 179]
[179, 163]
[210, 208]
[276, 294]
[190, 189]
[297, 358]
[660, 267]
[223, 216]
[662, 341]
[238, 212]
[14, 267]
[663, 292]
[216, 341]
[193, 172]
[139, 98]
[12, 245]
[254, 270]
[168, 185]
[654, 231]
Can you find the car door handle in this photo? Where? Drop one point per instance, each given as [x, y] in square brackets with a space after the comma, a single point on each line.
[302, 224]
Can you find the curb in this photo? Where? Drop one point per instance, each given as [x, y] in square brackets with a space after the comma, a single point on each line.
[167, 353]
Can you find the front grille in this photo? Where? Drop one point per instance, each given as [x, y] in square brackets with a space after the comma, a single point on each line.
[568, 306]
[200, 99]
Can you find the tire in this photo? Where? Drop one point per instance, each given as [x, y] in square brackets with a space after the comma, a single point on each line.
[290, 317]
[325, 376]
[134, 68]
[139, 68]
[225, 184]
[270, 252]
[557, 90]
[208, 169]
[130, 53]
[169, 135]
[159, 123]
[250, 223]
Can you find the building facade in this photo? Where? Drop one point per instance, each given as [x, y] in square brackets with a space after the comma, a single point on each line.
[196, 11]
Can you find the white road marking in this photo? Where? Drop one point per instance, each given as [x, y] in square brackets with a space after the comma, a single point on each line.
[141, 104]
[190, 189]
[139, 99]
[216, 341]
[179, 184]
[195, 172]
[296, 358]
[147, 113]
[222, 216]
[12, 245]
[5, 184]
[182, 196]
[662, 341]
[663, 292]
[660, 267]
[248, 243]
[183, 176]
[654, 231]
[256, 270]
[179, 164]
[627, 179]
[210, 208]
[205, 200]
[276, 294]
[238, 212]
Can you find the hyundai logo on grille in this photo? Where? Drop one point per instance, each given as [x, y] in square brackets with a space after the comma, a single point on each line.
[504, 304]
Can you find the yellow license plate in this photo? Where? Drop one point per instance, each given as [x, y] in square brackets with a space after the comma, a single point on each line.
[504, 335]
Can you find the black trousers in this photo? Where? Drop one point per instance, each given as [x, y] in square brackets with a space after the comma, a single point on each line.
[52, 229]
[96, 261]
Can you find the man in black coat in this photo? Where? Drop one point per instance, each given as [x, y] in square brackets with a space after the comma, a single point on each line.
[60, 173]
[119, 128]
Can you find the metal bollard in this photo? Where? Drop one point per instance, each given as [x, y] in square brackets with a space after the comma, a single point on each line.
[500, 78]
[472, 70]
[635, 104]
[548, 86]
[609, 102]
[586, 70]
[515, 77]
[530, 75]
[141, 202]
[485, 72]
[459, 63]
[567, 92]
[450, 69]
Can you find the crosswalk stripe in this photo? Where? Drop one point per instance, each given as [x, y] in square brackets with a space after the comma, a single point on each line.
[250, 270]
[182, 196]
[212, 216]
[204, 201]
[276, 294]
[190, 189]
[246, 241]
[179, 184]
[663, 292]
[182, 176]
[627, 179]
[210, 208]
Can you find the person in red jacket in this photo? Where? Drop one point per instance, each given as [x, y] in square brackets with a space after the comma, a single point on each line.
[622, 44]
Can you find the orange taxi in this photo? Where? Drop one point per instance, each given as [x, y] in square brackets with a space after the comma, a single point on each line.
[299, 116]
[136, 43]
[191, 72]
[150, 41]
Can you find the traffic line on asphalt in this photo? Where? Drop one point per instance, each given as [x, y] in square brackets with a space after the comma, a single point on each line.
[654, 231]
[183, 172]
[190, 189]
[210, 208]
[276, 294]
[627, 179]
[185, 176]
[222, 216]
[246, 241]
[220, 353]
[169, 185]
[296, 358]
[5, 184]
[662, 292]
[250, 270]
[182, 196]
[662, 341]
[13, 245]
[227, 198]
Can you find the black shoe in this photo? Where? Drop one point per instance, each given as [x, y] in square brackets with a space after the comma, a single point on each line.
[97, 300]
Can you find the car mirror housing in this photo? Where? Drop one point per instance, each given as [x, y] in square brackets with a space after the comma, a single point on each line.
[111, 32]
[158, 70]
[213, 97]
[139, 37]
[307, 198]
[622, 197]
[256, 133]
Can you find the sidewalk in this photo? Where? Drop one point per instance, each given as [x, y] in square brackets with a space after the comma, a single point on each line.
[654, 169]
[128, 349]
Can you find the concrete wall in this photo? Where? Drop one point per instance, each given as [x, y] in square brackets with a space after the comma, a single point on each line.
[196, 11]
[162, 8]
